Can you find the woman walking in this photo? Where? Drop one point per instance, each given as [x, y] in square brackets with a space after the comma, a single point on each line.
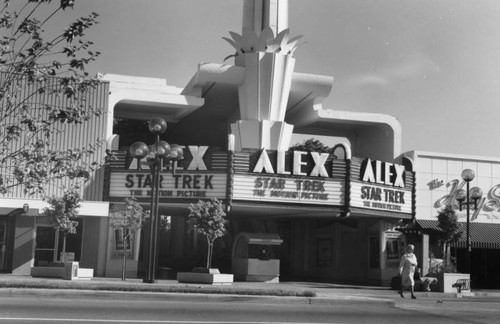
[407, 267]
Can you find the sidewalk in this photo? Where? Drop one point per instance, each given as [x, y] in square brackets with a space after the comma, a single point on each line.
[303, 292]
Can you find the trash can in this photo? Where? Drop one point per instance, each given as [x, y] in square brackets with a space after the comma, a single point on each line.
[71, 270]
[255, 257]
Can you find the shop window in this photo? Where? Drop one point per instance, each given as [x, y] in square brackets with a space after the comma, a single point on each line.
[45, 243]
[73, 242]
[3, 243]
[49, 244]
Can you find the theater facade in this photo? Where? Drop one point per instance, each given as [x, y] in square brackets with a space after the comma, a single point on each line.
[336, 216]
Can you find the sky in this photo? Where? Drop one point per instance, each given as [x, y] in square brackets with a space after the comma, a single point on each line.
[432, 64]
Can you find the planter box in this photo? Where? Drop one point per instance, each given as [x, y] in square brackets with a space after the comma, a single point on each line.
[47, 272]
[256, 270]
[205, 276]
[447, 280]
[68, 271]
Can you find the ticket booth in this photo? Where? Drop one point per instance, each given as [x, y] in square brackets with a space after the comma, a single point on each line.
[255, 257]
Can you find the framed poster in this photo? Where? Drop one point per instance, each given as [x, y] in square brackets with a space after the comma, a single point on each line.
[393, 251]
[324, 252]
[122, 243]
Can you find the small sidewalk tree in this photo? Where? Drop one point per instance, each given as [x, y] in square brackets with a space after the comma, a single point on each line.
[128, 221]
[62, 213]
[448, 223]
[209, 219]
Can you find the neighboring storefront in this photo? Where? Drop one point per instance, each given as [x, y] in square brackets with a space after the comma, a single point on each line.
[438, 178]
[26, 237]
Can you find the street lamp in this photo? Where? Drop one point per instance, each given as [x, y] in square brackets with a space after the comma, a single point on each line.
[475, 193]
[155, 154]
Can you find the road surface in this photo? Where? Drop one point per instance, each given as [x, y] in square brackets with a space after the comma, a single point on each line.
[121, 308]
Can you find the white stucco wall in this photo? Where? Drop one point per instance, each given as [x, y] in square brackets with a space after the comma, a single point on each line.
[438, 176]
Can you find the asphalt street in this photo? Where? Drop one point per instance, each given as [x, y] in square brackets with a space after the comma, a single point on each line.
[330, 303]
[42, 306]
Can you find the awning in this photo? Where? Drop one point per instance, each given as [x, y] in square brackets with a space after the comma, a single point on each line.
[36, 207]
[482, 235]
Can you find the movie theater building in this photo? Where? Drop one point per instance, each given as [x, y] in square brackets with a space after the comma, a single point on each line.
[438, 178]
[334, 215]
[327, 215]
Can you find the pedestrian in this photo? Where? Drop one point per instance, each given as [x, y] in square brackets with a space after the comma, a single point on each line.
[407, 267]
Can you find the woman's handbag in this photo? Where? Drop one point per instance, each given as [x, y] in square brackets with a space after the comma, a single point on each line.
[416, 275]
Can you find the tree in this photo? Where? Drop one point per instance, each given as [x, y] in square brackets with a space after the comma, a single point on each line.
[448, 223]
[43, 89]
[312, 145]
[128, 222]
[132, 130]
[62, 213]
[207, 217]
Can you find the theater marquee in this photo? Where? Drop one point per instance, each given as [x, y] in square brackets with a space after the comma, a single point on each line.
[179, 185]
[382, 186]
[288, 190]
[291, 177]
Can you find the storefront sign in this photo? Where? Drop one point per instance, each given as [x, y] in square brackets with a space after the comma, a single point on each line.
[383, 173]
[288, 190]
[195, 154]
[436, 183]
[488, 206]
[381, 186]
[179, 185]
[318, 169]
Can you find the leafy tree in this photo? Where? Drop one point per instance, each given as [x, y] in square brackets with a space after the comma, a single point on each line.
[207, 217]
[312, 145]
[62, 213]
[128, 221]
[448, 223]
[132, 130]
[43, 89]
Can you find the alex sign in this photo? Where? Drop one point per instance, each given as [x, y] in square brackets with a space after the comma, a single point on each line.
[191, 179]
[381, 187]
[318, 170]
[197, 162]
[307, 180]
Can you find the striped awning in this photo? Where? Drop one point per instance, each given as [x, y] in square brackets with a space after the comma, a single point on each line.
[482, 235]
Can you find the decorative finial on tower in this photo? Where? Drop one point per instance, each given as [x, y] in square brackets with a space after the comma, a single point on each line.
[249, 42]
[259, 14]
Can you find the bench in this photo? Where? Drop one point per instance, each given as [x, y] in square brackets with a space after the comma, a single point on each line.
[462, 284]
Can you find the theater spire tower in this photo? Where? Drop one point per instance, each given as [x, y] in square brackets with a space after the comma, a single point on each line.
[265, 50]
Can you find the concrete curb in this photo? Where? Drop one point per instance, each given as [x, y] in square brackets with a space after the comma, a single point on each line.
[75, 293]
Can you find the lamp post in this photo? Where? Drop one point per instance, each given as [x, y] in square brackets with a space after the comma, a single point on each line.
[155, 155]
[475, 193]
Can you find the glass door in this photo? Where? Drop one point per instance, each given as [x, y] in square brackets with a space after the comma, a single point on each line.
[7, 230]
[3, 244]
